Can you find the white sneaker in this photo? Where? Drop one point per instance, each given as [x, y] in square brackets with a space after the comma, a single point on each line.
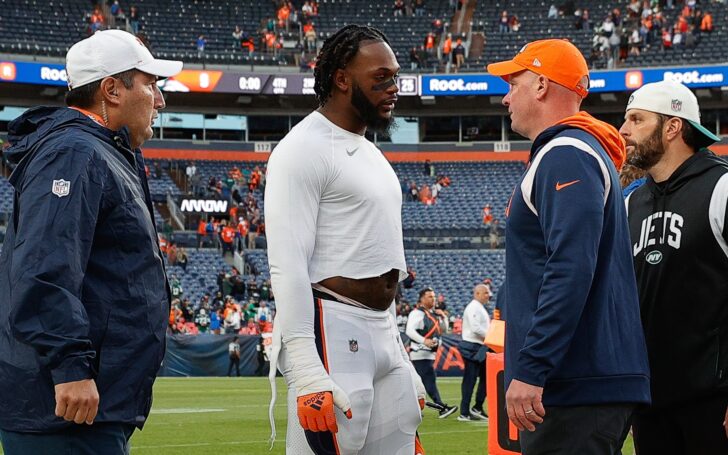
[478, 415]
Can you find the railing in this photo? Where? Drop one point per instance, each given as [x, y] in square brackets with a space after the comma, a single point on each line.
[174, 212]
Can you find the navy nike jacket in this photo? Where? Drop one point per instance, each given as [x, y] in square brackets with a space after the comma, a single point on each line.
[83, 291]
[571, 310]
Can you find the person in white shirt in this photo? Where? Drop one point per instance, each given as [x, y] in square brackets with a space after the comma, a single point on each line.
[333, 221]
[263, 311]
[424, 331]
[475, 326]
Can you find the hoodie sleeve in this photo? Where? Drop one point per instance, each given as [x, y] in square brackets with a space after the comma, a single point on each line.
[568, 195]
[57, 209]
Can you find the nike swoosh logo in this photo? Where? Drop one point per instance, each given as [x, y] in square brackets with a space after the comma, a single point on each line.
[561, 186]
[351, 153]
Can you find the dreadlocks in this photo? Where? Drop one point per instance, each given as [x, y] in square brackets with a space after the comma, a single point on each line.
[337, 52]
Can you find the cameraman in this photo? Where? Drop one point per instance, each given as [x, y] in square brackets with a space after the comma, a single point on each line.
[423, 330]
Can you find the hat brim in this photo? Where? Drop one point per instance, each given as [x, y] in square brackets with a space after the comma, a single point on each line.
[505, 69]
[708, 137]
[161, 68]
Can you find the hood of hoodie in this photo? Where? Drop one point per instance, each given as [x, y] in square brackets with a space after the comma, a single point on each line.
[35, 125]
[696, 165]
[606, 134]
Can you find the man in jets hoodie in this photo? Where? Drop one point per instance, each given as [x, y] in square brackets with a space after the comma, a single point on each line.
[678, 222]
[575, 360]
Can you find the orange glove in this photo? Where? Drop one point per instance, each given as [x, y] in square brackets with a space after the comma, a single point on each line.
[418, 445]
[316, 412]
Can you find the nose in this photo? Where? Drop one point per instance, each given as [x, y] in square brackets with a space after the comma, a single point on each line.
[159, 102]
[506, 99]
[624, 130]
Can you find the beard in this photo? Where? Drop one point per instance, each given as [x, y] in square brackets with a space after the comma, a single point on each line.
[649, 152]
[369, 113]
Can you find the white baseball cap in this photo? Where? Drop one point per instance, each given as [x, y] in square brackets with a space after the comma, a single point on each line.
[672, 99]
[110, 52]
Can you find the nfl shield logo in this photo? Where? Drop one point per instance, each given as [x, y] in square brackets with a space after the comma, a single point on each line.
[676, 105]
[61, 187]
[353, 345]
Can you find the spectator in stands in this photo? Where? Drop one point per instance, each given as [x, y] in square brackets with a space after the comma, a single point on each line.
[438, 27]
[514, 24]
[419, 7]
[459, 54]
[414, 56]
[172, 254]
[666, 39]
[202, 320]
[253, 232]
[182, 259]
[414, 192]
[430, 44]
[706, 24]
[549, 321]
[408, 282]
[487, 215]
[583, 22]
[232, 317]
[398, 8]
[234, 356]
[134, 19]
[263, 311]
[634, 42]
[447, 52]
[175, 286]
[553, 12]
[475, 325]
[251, 329]
[237, 37]
[215, 318]
[97, 20]
[306, 10]
[200, 44]
[503, 22]
[429, 169]
[310, 36]
[228, 236]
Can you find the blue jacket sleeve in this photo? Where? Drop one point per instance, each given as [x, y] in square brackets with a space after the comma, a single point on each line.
[568, 193]
[54, 235]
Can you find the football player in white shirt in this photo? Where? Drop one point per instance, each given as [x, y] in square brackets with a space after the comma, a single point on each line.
[476, 322]
[334, 228]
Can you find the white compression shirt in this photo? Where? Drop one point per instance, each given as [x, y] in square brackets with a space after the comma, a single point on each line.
[332, 208]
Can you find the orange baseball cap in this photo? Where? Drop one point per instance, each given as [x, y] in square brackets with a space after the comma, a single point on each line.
[557, 59]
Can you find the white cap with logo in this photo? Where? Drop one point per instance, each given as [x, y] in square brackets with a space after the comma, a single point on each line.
[110, 52]
[672, 99]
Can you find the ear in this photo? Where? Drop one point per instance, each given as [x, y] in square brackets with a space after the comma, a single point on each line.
[673, 128]
[109, 90]
[541, 84]
[342, 80]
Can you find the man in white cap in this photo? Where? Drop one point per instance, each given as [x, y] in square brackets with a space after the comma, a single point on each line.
[84, 298]
[678, 222]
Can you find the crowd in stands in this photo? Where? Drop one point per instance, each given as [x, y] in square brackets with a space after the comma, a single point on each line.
[425, 193]
[245, 224]
[645, 25]
[228, 311]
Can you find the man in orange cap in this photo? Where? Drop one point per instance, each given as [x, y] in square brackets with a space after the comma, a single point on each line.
[576, 362]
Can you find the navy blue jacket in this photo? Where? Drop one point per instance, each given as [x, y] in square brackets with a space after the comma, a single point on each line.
[83, 291]
[571, 310]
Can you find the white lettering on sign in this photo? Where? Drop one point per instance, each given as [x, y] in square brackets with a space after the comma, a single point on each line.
[52, 74]
[202, 205]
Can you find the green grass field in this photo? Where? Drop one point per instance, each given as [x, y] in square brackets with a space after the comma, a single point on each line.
[220, 416]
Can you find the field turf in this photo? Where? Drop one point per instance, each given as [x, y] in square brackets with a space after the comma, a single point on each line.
[200, 416]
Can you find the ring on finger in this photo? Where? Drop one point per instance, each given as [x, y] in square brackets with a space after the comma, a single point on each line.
[529, 411]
